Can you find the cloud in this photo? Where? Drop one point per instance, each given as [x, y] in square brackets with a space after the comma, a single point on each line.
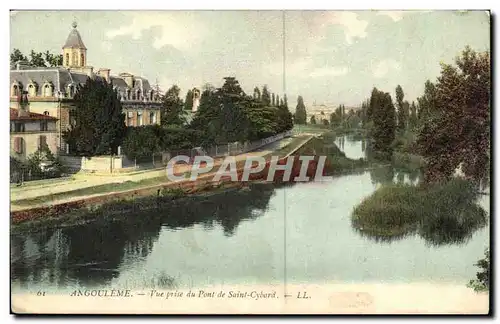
[329, 71]
[178, 29]
[382, 68]
[353, 27]
[393, 14]
[304, 68]
[106, 46]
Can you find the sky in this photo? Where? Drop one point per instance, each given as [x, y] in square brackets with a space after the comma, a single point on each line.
[328, 57]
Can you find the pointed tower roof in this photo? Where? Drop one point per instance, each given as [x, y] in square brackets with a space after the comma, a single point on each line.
[74, 39]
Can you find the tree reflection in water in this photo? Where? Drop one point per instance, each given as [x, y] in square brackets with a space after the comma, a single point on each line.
[91, 254]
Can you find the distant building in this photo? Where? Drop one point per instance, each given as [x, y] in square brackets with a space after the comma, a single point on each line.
[51, 89]
[324, 110]
[30, 131]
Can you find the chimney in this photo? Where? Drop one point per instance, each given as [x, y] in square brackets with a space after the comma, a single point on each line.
[105, 74]
[128, 78]
[23, 104]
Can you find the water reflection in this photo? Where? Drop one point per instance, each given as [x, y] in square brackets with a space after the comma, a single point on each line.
[91, 254]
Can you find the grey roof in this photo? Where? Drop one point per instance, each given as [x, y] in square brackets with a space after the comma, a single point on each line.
[60, 78]
[74, 40]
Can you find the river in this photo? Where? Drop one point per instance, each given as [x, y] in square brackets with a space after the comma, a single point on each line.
[245, 237]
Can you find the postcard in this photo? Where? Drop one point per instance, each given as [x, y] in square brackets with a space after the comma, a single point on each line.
[250, 162]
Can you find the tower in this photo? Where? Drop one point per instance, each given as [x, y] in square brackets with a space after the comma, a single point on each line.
[74, 51]
[196, 99]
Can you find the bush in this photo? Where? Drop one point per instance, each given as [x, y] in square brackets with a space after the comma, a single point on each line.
[482, 281]
[441, 214]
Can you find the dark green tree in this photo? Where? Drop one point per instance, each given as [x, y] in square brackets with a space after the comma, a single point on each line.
[300, 112]
[17, 56]
[99, 121]
[413, 115]
[313, 120]
[402, 115]
[172, 111]
[427, 103]
[457, 129]
[188, 103]
[256, 93]
[266, 97]
[384, 121]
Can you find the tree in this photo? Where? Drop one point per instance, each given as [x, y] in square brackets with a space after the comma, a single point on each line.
[99, 121]
[172, 111]
[266, 97]
[53, 59]
[313, 120]
[383, 116]
[300, 112]
[413, 120]
[427, 103]
[256, 93]
[457, 129]
[37, 59]
[325, 122]
[142, 142]
[402, 115]
[17, 56]
[188, 103]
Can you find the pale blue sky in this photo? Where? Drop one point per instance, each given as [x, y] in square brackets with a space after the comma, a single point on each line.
[333, 56]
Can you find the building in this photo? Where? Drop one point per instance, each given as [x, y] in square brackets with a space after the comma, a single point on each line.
[50, 90]
[30, 131]
[323, 111]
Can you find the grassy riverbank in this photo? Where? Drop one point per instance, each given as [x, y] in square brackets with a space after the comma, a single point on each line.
[133, 209]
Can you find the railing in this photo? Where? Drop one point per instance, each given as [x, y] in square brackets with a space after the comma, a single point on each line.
[220, 150]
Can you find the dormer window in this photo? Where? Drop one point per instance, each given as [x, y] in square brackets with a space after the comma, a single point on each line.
[71, 90]
[127, 94]
[32, 89]
[138, 94]
[151, 94]
[15, 89]
[47, 90]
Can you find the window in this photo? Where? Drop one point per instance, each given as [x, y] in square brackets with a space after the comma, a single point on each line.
[18, 145]
[44, 126]
[152, 117]
[71, 90]
[130, 116]
[151, 94]
[14, 91]
[74, 59]
[138, 94]
[72, 118]
[32, 90]
[42, 142]
[47, 90]
[139, 118]
[127, 94]
[46, 113]
[67, 59]
[19, 127]
[82, 59]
